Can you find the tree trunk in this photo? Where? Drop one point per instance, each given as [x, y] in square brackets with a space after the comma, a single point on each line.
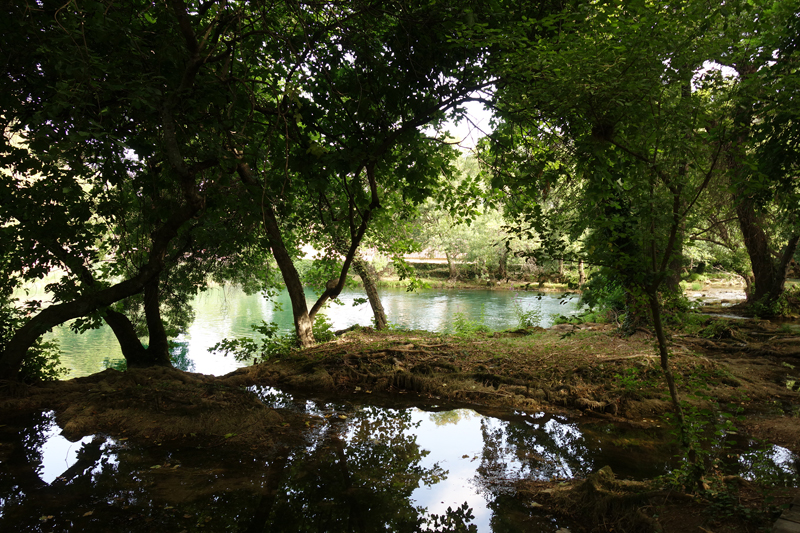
[136, 355]
[132, 349]
[655, 308]
[48, 318]
[581, 273]
[303, 324]
[672, 278]
[452, 267]
[502, 263]
[783, 267]
[364, 270]
[769, 274]
[158, 347]
[757, 245]
[303, 318]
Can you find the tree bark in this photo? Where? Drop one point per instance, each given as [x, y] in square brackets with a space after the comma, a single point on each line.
[783, 267]
[769, 274]
[757, 245]
[158, 347]
[672, 278]
[303, 324]
[12, 356]
[364, 270]
[502, 263]
[581, 273]
[136, 355]
[655, 308]
[452, 267]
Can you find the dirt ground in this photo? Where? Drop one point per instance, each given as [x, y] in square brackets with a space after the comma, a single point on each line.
[751, 367]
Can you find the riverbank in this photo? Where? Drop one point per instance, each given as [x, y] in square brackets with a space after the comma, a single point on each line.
[586, 372]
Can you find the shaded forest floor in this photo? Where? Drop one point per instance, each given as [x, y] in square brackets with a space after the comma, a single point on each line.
[590, 371]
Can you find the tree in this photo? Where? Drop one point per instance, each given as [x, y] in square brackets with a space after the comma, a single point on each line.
[101, 111]
[762, 156]
[633, 132]
[341, 126]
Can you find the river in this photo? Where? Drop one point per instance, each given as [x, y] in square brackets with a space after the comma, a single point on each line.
[227, 312]
[385, 464]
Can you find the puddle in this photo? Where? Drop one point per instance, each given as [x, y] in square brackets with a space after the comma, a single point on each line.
[357, 467]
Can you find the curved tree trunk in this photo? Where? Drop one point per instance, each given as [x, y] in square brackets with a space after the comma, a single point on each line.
[158, 348]
[136, 355]
[769, 273]
[303, 317]
[364, 270]
[11, 358]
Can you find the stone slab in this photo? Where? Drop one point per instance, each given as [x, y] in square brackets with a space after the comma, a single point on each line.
[784, 526]
[791, 515]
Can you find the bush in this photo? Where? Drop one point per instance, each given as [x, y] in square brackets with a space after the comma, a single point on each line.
[272, 344]
[465, 327]
[786, 305]
[603, 292]
[527, 318]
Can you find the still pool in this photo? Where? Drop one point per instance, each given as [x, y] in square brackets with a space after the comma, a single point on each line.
[380, 465]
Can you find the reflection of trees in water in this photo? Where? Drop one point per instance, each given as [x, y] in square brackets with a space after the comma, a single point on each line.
[444, 418]
[353, 474]
[545, 449]
[358, 481]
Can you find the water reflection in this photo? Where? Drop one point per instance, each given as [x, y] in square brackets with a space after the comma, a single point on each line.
[357, 467]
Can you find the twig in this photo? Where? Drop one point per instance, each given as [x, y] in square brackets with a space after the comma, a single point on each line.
[604, 359]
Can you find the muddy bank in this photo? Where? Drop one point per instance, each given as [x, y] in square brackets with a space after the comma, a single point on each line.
[588, 370]
[154, 405]
[585, 371]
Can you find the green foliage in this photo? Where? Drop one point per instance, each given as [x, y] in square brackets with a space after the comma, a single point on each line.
[720, 328]
[710, 457]
[272, 343]
[42, 362]
[632, 380]
[246, 349]
[527, 318]
[323, 329]
[317, 272]
[465, 327]
[707, 432]
[786, 305]
[604, 292]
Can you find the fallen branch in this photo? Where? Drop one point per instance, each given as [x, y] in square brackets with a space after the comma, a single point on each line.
[622, 358]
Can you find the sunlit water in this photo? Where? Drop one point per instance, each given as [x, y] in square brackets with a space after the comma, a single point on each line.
[357, 467]
[226, 312]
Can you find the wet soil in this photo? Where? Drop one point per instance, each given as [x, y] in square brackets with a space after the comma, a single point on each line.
[590, 370]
